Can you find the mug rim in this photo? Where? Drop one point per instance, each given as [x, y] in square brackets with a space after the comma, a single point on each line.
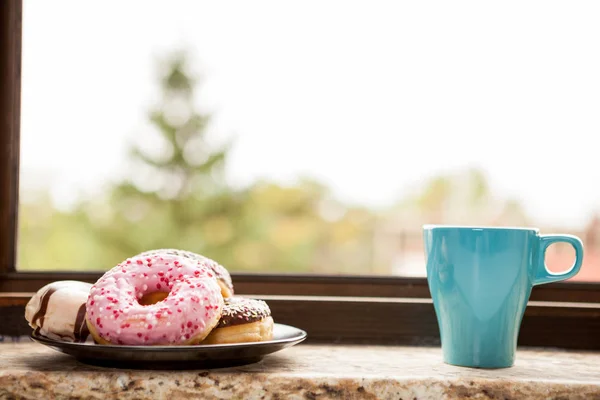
[429, 227]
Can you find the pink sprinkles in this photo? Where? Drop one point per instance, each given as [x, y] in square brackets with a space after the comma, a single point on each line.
[120, 319]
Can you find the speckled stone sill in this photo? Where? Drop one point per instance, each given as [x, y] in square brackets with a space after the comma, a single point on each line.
[32, 371]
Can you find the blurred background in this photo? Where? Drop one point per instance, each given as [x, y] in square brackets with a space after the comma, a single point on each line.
[312, 137]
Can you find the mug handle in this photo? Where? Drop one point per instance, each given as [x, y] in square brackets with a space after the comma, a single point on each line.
[543, 275]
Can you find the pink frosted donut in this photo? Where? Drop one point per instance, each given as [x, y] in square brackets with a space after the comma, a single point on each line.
[187, 315]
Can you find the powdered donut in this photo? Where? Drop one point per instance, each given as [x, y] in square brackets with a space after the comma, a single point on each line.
[189, 312]
[243, 320]
[220, 272]
[57, 311]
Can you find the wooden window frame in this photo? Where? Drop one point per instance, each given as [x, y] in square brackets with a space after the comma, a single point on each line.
[333, 309]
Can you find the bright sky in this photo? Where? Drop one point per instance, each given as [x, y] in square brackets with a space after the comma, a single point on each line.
[370, 97]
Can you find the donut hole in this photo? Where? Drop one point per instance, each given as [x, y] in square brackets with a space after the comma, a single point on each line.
[152, 298]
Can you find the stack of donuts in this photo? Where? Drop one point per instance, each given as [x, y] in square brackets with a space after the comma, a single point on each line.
[159, 297]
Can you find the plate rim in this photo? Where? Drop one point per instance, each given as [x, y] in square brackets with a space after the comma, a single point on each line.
[301, 336]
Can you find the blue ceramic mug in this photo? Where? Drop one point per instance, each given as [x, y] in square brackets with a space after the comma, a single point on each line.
[480, 280]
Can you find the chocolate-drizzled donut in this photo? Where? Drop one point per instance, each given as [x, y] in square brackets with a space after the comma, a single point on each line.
[242, 320]
[58, 311]
[222, 275]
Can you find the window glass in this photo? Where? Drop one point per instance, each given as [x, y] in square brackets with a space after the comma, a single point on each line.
[312, 137]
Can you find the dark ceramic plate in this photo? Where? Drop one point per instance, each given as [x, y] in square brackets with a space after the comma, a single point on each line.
[177, 357]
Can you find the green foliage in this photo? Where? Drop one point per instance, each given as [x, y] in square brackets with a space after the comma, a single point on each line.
[176, 196]
[53, 240]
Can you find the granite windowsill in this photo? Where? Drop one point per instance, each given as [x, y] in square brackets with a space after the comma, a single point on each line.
[32, 371]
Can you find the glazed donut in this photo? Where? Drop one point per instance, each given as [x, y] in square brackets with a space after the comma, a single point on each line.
[220, 272]
[243, 320]
[57, 311]
[191, 309]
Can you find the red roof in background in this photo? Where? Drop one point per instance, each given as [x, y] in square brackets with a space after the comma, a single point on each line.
[590, 270]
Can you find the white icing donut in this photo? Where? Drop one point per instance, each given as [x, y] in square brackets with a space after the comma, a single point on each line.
[57, 311]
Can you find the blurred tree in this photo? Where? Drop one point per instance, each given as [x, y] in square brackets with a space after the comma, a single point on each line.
[50, 239]
[176, 195]
[463, 197]
[469, 187]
